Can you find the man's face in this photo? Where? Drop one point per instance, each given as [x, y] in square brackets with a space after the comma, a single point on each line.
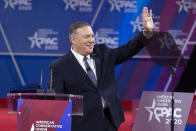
[83, 41]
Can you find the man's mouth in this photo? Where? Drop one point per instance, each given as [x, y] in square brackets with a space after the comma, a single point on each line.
[90, 46]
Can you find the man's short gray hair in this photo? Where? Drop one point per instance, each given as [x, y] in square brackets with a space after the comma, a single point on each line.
[73, 27]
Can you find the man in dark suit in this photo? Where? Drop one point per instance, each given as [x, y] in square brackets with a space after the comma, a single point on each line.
[88, 70]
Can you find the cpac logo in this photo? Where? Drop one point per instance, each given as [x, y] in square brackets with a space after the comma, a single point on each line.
[138, 25]
[166, 41]
[13, 3]
[184, 5]
[111, 42]
[159, 112]
[47, 41]
[75, 3]
[118, 4]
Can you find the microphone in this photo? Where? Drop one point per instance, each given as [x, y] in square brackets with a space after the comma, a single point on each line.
[41, 90]
[42, 70]
[50, 90]
[173, 68]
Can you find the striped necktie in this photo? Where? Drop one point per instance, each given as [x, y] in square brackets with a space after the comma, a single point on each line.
[90, 73]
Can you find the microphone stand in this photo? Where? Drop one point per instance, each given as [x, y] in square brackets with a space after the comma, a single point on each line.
[173, 71]
[41, 90]
[50, 90]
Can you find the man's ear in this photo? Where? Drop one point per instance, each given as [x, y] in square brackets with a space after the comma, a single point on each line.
[72, 39]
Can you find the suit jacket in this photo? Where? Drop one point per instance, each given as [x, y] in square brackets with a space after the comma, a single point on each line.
[70, 78]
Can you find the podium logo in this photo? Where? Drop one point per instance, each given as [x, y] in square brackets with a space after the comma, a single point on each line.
[83, 5]
[138, 24]
[21, 4]
[41, 125]
[127, 5]
[44, 38]
[161, 112]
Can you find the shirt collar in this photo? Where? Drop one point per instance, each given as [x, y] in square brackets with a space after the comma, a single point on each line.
[79, 56]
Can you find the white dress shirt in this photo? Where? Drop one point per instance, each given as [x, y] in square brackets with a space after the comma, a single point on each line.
[91, 62]
[80, 59]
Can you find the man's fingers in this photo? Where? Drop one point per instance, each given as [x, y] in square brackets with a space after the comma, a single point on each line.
[150, 12]
[147, 19]
[144, 13]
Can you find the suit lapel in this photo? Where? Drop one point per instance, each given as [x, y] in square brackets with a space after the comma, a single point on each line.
[80, 71]
[97, 59]
[98, 68]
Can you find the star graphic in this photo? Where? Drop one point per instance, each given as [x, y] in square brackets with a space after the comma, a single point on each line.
[10, 3]
[150, 109]
[33, 40]
[71, 4]
[137, 25]
[180, 4]
[184, 5]
[167, 41]
[112, 6]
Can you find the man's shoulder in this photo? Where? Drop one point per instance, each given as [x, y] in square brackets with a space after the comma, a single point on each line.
[99, 48]
[59, 61]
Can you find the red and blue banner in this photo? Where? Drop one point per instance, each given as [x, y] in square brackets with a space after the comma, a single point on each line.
[44, 115]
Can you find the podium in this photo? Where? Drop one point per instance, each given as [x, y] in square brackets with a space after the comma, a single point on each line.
[154, 113]
[44, 111]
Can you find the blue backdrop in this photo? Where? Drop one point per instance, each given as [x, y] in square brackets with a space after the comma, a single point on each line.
[33, 33]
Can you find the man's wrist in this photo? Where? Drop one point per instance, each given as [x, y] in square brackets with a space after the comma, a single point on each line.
[147, 34]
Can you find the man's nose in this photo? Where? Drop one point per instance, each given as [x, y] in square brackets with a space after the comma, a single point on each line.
[92, 39]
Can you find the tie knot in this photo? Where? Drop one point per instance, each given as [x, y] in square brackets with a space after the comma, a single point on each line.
[85, 58]
[90, 73]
